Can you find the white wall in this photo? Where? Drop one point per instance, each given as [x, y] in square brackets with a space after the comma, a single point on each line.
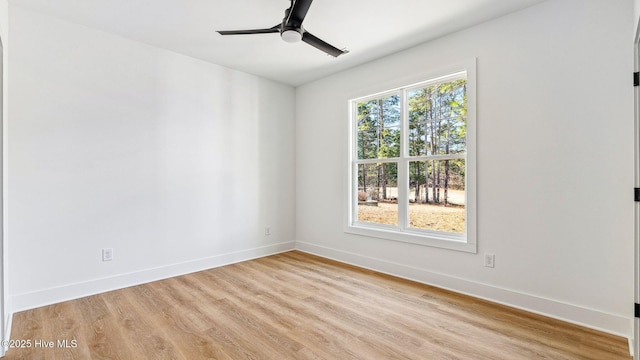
[176, 164]
[636, 14]
[555, 163]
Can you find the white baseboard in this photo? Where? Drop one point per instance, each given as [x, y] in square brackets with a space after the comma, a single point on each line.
[58, 294]
[594, 319]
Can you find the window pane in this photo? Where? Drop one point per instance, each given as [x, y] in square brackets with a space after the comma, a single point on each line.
[378, 128]
[378, 193]
[437, 117]
[437, 195]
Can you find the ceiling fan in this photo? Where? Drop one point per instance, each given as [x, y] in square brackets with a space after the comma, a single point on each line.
[291, 29]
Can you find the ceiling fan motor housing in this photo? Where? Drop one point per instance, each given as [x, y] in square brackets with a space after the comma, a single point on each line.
[291, 34]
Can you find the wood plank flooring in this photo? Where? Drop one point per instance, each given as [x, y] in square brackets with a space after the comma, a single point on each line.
[297, 306]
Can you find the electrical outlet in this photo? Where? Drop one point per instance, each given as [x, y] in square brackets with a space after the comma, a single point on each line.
[267, 230]
[107, 254]
[489, 260]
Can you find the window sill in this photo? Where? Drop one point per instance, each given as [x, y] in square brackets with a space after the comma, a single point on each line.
[443, 241]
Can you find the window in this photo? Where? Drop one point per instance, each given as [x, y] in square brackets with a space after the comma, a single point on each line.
[412, 163]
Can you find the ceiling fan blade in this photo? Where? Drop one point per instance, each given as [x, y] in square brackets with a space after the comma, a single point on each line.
[275, 29]
[322, 45]
[297, 12]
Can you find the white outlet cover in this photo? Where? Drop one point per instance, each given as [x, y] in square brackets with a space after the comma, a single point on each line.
[107, 254]
[489, 260]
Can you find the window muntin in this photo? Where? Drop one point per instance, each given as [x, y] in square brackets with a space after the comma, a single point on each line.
[413, 144]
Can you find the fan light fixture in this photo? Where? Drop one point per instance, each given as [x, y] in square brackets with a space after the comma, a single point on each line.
[291, 30]
[291, 36]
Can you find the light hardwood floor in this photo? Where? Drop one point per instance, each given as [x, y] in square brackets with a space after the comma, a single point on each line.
[298, 306]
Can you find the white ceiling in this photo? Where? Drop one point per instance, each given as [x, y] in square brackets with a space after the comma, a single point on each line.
[369, 29]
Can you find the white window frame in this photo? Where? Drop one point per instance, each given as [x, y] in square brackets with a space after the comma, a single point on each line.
[462, 242]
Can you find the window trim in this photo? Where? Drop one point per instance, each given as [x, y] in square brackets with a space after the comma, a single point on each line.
[394, 233]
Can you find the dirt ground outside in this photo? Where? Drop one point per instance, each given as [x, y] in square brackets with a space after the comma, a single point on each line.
[421, 216]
